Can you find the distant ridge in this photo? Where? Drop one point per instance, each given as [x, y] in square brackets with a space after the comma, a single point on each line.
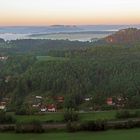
[64, 26]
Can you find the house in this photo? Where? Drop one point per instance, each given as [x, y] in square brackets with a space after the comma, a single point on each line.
[38, 97]
[60, 99]
[43, 108]
[36, 105]
[6, 99]
[88, 99]
[2, 105]
[51, 108]
[7, 79]
[109, 101]
[3, 58]
[120, 101]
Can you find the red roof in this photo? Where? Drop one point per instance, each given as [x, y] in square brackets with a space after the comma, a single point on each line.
[60, 99]
[51, 106]
[109, 99]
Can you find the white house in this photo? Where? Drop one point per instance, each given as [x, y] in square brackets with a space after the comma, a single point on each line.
[38, 97]
[88, 98]
[51, 108]
[3, 58]
[2, 106]
[43, 109]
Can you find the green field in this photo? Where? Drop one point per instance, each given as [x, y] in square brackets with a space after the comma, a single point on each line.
[101, 115]
[133, 134]
[108, 115]
[43, 118]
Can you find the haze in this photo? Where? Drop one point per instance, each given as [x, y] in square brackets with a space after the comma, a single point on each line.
[48, 12]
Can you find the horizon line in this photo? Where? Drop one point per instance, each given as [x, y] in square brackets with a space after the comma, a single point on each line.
[69, 25]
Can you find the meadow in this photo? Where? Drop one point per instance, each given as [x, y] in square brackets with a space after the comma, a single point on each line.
[58, 117]
[133, 134]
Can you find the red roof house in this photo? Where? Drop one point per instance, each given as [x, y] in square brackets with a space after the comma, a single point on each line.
[109, 101]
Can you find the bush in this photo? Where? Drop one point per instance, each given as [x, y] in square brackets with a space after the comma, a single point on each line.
[33, 127]
[94, 126]
[123, 114]
[25, 109]
[71, 116]
[137, 114]
[137, 124]
[126, 114]
[73, 127]
[6, 119]
[5, 128]
[107, 107]
[125, 125]
[21, 111]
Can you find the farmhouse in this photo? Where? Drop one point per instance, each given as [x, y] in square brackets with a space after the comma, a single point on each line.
[2, 105]
[51, 108]
[60, 99]
[109, 101]
[43, 108]
[36, 105]
[2, 58]
[38, 97]
[7, 79]
[88, 98]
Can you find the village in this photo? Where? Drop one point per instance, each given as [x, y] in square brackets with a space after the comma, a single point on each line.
[56, 103]
[3, 58]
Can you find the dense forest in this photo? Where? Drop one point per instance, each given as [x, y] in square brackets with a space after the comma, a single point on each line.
[86, 70]
[41, 46]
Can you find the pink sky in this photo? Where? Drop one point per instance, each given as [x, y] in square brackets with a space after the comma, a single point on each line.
[48, 12]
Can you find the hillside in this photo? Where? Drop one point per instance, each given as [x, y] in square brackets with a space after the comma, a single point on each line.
[125, 36]
[99, 72]
[73, 69]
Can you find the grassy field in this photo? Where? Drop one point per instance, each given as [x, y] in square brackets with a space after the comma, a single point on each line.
[108, 115]
[101, 115]
[43, 118]
[133, 134]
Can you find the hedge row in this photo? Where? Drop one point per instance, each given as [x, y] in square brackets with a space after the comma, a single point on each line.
[101, 125]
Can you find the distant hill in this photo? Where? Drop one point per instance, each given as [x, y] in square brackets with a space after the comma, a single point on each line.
[62, 28]
[125, 36]
[39, 29]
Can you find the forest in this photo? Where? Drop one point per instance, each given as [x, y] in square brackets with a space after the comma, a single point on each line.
[87, 69]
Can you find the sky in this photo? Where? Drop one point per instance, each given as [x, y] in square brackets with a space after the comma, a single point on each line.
[69, 12]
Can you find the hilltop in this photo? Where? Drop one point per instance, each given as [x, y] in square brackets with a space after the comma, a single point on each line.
[124, 36]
